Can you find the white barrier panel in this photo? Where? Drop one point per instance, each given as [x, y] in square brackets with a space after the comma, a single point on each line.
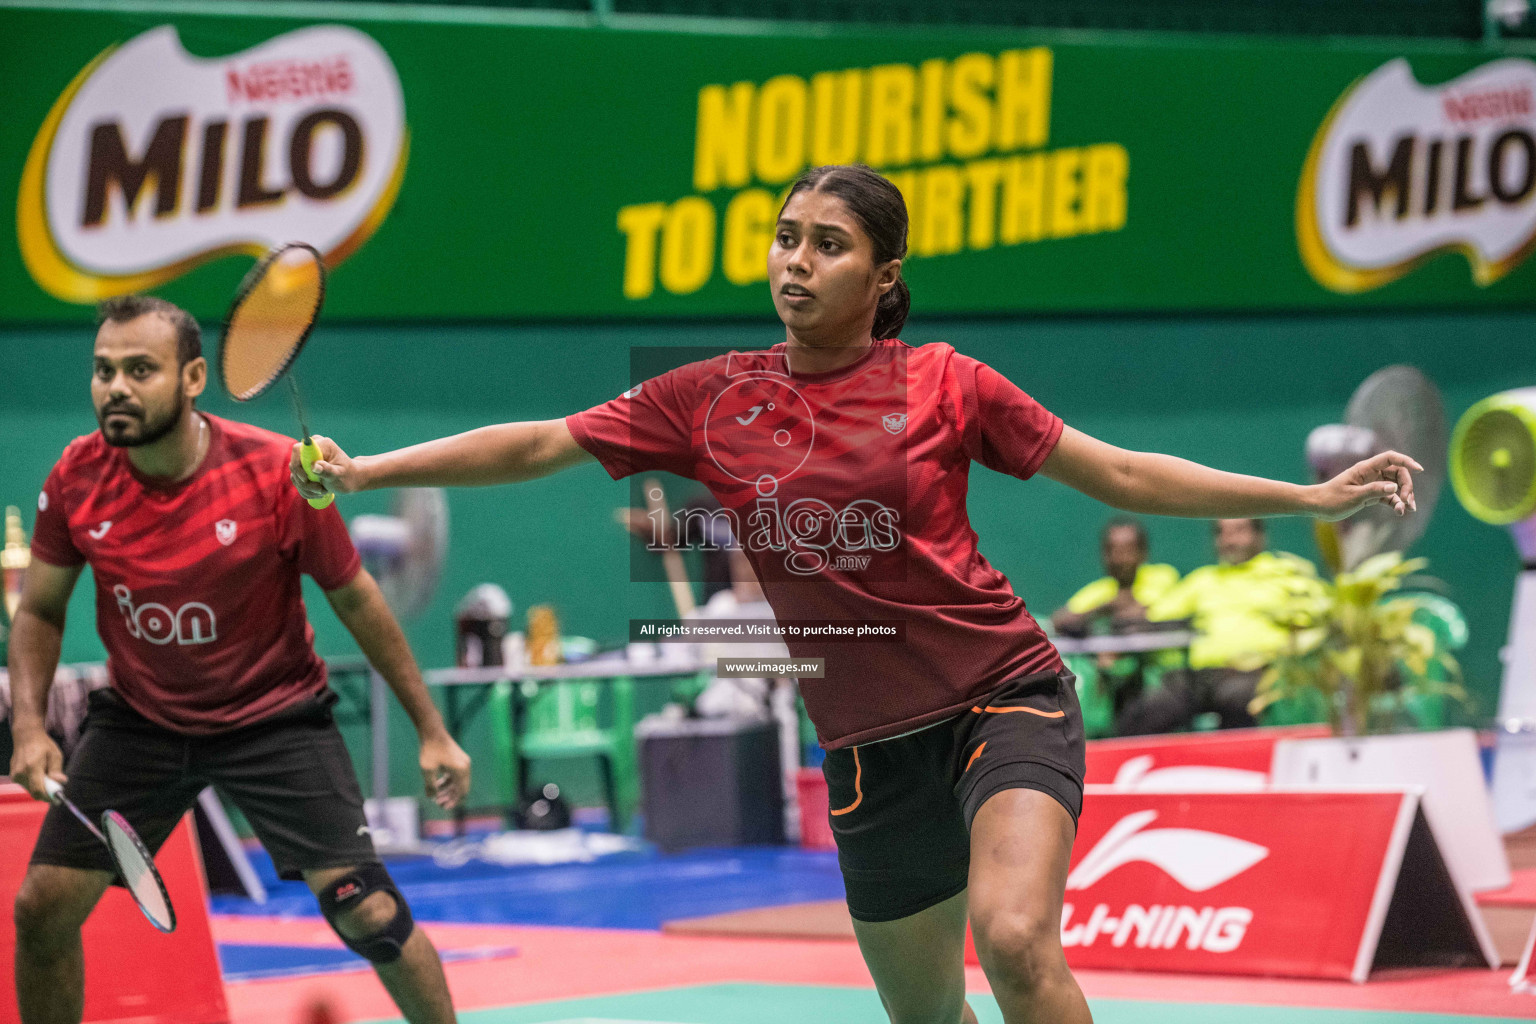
[1448, 767]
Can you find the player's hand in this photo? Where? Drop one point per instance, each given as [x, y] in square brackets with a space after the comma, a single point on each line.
[35, 758]
[339, 473]
[1382, 479]
[444, 769]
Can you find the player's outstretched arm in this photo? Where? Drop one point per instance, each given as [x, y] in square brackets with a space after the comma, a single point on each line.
[500, 454]
[361, 608]
[1153, 484]
[36, 636]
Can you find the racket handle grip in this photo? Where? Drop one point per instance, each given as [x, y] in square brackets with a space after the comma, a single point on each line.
[309, 454]
[52, 788]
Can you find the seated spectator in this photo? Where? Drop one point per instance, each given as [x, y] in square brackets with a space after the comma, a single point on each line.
[1231, 606]
[1130, 584]
[1115, 603]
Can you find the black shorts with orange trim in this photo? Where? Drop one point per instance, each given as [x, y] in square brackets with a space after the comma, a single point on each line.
[901, 809]
[289, 774]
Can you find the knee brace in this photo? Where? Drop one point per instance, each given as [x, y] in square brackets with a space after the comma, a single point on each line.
[336, 899]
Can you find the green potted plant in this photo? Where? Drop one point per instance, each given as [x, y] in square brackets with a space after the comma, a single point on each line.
[1365, 656]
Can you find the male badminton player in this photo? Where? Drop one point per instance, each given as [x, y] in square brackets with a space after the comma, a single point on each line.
[196, 543]
[955, 759]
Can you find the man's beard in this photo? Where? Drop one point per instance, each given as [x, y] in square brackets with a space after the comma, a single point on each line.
[149, 430]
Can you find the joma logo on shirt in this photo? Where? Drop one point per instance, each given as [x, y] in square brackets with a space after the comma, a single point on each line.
[192, 623]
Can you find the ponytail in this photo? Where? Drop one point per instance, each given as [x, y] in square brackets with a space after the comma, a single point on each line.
[891, 312]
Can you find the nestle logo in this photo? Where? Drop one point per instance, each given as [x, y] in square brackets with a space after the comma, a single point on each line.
[290, 79]
[1478, 106]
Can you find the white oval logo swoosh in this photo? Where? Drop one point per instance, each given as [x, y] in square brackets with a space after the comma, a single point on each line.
[154, 161]
[1139, 774]
[1196, 859]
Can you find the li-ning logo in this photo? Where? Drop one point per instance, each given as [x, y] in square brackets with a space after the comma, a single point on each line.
[192, 623]
[225, 530]
[1213, 929]
[154, 161]
[1196, 859]
[1137, 773]
[1399, 172]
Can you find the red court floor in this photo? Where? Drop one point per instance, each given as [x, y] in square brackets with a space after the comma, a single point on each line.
[563, 963]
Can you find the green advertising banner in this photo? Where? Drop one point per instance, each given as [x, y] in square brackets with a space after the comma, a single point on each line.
[486, 168]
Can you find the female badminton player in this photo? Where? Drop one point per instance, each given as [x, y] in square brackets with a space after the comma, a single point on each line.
[955, 752]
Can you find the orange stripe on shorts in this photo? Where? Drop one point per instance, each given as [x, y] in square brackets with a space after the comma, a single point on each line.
[1033, 711]
[975, 756]
[858, 794]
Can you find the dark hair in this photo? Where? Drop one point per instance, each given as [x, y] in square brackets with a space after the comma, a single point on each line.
[1258, 524]
[123, 308]
[1126, 523]
[881, 211]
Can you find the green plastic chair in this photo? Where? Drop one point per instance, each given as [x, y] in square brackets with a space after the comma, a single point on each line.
[1098, 705]
[1445, 618]
[1303, 709]
[1096, 695]
[560, 720]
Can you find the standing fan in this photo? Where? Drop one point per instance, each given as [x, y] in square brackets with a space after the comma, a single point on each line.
[404, 551]
[1493, 469]
[1397, 408]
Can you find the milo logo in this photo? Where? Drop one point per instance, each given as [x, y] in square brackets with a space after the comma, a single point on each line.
[1401, 171]
[154, 161]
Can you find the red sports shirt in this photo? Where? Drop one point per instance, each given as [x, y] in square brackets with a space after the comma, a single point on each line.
[197, 582]
[847, 491]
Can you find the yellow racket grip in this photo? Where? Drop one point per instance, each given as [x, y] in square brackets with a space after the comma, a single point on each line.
[309, 454]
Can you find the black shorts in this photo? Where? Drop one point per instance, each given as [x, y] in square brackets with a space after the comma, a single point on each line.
[289, 775]
[901, 809]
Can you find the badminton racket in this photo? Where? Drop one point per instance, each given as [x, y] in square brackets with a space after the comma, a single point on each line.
[135, 864]
[273, 312]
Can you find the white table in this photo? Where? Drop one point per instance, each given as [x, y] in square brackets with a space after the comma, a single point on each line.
[1126, 643]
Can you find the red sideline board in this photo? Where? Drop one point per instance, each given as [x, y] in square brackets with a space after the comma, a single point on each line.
[1234, 759]
[179, 984]
[1312, 884]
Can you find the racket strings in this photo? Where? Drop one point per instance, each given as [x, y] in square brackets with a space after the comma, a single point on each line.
[271, 319]
[138, 871]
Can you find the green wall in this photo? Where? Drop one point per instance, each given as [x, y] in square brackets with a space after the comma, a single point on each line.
[1239, 393]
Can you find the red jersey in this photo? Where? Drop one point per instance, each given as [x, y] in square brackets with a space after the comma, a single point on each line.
[847, 492]
[197, 582]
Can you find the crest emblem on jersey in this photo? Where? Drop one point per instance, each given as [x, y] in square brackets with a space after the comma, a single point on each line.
[894, 422]
[225, 530]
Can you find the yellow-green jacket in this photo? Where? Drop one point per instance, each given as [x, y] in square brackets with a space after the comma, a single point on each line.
[1151, 583]
[1232, 608]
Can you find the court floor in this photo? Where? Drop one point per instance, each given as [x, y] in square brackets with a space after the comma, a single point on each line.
[791, 1004]
[580, 944]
